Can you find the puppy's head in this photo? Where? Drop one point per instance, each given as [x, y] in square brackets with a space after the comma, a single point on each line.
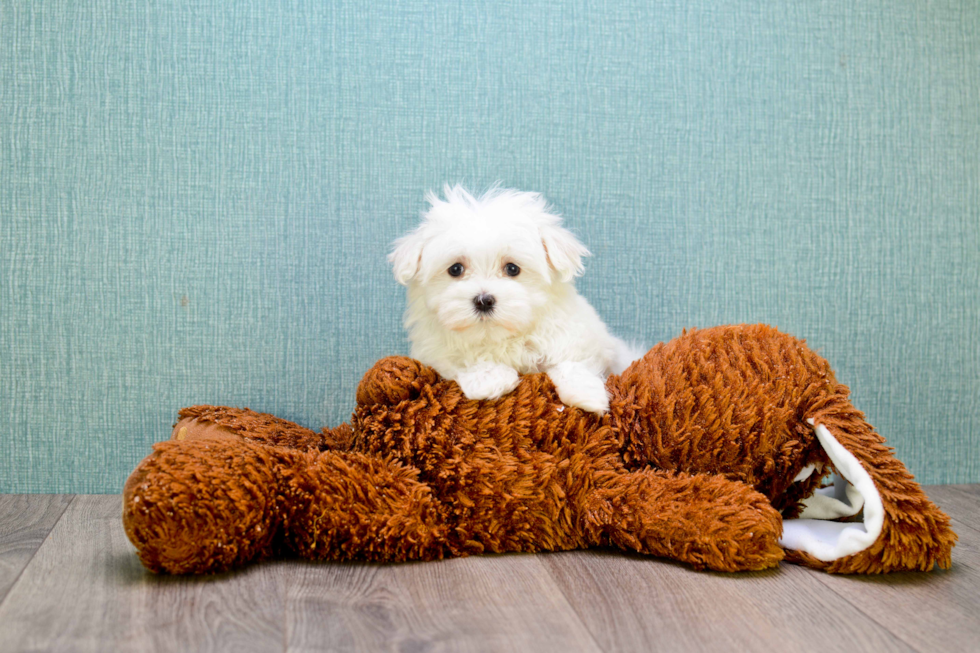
[486, 264]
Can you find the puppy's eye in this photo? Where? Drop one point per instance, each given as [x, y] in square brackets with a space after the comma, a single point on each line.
[455, 270]
[512, 270]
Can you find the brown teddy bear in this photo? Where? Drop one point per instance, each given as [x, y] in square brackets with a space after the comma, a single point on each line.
[714, 452]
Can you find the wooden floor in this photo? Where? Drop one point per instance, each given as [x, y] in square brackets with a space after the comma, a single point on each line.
[70, 581]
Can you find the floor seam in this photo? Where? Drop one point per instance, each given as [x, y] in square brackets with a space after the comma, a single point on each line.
[819, 575]
[20, 574]
[963, 495]
[548, 568]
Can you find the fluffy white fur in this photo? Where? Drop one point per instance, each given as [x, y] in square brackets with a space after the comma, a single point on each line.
[538, 321]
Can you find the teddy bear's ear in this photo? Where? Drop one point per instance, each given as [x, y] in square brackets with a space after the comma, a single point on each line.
[564, 251]
[406, 257]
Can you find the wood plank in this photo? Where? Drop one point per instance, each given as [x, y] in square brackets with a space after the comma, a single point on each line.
[934, 611]
[25, 520]
[85, 590]
[963, 501]
[485, 603]
[634, 603]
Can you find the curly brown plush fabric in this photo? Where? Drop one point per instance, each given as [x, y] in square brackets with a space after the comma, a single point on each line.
[695, 461]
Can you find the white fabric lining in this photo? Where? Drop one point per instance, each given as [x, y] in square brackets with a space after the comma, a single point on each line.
[805, 473]
[829, 540]
[841, 499]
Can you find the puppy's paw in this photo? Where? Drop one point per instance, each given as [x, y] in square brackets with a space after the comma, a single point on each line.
[578, 386]
[487, 381]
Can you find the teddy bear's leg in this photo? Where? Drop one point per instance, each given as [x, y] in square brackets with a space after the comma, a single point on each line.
[900, 528]
[347, 506]
[704, 520]
[198, 422]
[204, 506]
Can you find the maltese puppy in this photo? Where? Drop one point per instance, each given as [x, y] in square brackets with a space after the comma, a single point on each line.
[491, 295]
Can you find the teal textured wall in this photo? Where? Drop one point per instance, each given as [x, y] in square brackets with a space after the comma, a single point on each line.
[197, 197]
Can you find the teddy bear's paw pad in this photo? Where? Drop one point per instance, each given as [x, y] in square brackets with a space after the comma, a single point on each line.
[194, 428]
[853, 491]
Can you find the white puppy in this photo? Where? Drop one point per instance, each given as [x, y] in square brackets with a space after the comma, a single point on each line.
[491, 296]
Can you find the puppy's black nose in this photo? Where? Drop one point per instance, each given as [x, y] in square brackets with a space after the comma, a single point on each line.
[484, 302]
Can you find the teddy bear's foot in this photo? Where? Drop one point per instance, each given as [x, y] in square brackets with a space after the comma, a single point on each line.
[203, 506]
[195, 428]
[707, 521]
[198, 422]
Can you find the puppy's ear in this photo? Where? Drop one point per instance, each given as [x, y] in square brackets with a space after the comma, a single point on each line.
[564, 251]
[406, 257]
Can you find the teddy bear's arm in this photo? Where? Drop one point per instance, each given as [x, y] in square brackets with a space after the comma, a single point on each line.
[704, 520]
[394, 379]
[355, 506]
